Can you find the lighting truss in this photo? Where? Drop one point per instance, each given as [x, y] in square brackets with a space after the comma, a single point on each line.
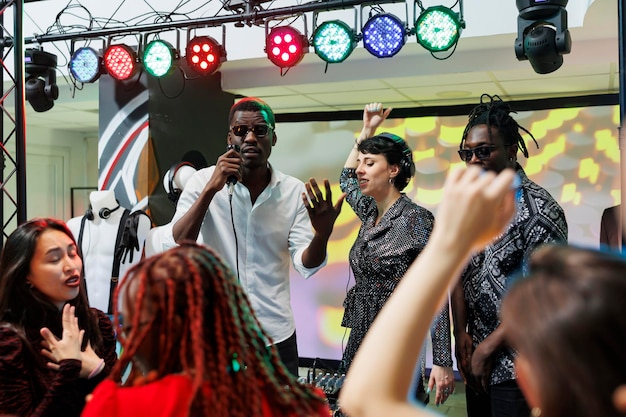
[437, 28]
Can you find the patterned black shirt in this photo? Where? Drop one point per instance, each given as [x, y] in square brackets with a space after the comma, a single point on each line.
[380, 256]
[539, 220]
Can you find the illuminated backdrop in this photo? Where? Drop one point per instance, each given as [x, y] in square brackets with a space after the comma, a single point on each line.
[577, 162]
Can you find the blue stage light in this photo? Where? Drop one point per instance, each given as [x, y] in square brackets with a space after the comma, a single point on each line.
[384, 35]
[85, 65]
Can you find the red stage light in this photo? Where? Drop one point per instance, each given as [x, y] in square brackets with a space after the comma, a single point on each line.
[285, 46]
[120, 61]
[205, 55]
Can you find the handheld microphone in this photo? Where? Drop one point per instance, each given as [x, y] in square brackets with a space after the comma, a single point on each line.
[231, 180]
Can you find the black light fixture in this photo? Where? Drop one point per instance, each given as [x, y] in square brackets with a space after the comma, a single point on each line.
[542, 34]
[40, 75]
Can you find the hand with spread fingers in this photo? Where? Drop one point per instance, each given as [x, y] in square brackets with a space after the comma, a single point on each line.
[321, 210]
[69, 346]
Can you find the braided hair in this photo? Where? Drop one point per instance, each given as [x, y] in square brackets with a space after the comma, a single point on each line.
[494, 112]
[204, 327]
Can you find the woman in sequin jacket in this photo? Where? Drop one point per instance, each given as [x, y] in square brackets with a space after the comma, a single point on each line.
[393, 232]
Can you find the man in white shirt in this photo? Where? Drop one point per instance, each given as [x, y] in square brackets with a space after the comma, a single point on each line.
[256, 218]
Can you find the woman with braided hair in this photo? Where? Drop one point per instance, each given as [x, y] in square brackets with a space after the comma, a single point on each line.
[491, 141]
[195, 347]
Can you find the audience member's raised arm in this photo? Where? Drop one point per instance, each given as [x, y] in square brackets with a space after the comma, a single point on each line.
[476, 206]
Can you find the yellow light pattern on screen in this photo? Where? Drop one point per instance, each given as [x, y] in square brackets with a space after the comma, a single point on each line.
[329, 322]
[616, 194]
[428, 197]
[537, 163]
[606, 143]
[451, 135]
[589, 169]
[554, 121]
[427, 154]
[570, 195]
[577, 162]
[416, 126]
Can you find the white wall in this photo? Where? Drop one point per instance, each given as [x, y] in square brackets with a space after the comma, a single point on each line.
[56, 160]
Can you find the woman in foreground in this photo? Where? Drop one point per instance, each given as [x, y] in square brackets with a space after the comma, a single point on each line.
[195, 346]
[570, 304]
[54, 349]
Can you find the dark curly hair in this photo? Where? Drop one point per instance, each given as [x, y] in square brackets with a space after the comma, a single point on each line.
[396, 152]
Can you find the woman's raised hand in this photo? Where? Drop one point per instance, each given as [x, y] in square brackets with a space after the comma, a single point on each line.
[69, 346]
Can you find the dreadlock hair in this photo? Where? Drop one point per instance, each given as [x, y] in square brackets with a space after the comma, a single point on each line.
[494, 112]
[256, 105]
[207, 330]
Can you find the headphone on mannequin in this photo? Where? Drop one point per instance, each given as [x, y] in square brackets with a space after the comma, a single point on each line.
[407, 167]
[104, 212]
[173, 192]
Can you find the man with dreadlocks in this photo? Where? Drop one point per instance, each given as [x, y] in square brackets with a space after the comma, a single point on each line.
[196, 348]
[491, 140]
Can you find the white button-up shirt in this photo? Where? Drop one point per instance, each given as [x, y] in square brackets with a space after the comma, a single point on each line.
[268, 233]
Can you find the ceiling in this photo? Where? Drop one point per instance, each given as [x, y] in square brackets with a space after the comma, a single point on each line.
[413, 78]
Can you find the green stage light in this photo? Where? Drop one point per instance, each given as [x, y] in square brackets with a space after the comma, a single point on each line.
[438, 28]
[158, 58]
[334, 41]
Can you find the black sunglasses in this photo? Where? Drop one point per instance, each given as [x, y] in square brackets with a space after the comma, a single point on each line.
[481, 152]
[243, 130]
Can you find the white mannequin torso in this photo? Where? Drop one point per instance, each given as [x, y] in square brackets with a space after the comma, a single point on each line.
[99, 236]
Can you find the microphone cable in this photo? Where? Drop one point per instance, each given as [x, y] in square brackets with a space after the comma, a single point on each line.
[230, 183]
[342, 365]
[232, 221]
